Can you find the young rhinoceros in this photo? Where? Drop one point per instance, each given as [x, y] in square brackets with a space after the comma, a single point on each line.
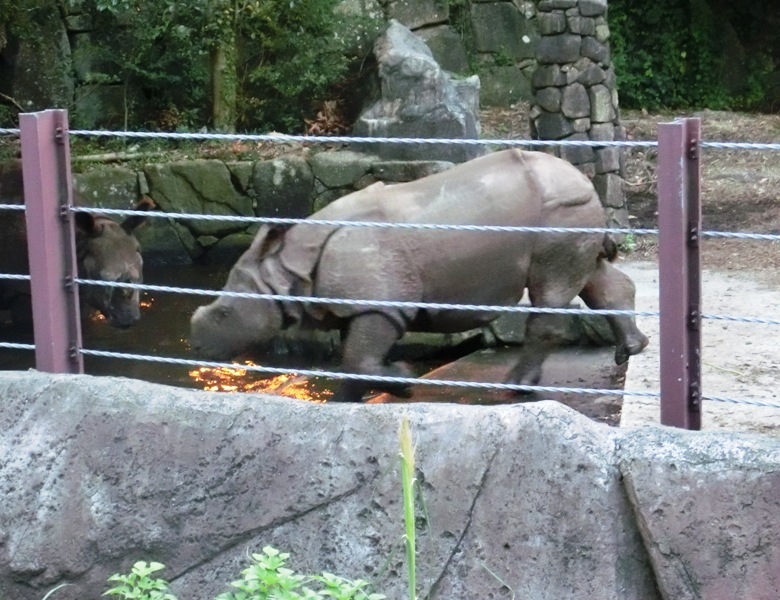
[511, 187]
[106, 250]
[109, 251]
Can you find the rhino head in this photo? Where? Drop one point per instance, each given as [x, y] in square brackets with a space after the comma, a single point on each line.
[230, 325]
[108, 251]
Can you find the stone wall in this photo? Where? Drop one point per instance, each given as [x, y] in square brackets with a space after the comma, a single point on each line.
[529, 501]
[575, 96]
[292, 186]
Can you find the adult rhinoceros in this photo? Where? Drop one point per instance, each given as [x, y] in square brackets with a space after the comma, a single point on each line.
[106, 250]
[511, 187]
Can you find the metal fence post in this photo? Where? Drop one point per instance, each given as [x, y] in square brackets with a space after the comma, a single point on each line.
[679, 223]
[51, 241]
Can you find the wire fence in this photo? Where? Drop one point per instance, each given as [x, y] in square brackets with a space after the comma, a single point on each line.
[278, 138]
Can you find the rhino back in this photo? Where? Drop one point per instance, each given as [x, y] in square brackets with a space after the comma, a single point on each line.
[511, 188]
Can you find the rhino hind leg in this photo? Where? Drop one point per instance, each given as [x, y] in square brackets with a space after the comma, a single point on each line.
[611, 289]
[366, 345]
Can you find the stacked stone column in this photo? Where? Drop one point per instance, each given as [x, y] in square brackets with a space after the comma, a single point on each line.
[574, 94]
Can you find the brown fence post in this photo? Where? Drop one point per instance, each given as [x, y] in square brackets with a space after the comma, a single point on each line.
[51, 241]
[679, 224]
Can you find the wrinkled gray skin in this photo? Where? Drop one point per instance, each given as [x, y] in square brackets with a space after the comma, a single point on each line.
[511, 187]
[106, 250]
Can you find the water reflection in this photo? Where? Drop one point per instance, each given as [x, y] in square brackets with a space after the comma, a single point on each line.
[239, 379]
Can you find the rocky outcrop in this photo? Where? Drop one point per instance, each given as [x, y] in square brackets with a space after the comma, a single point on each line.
[532, 499]
[418, 100]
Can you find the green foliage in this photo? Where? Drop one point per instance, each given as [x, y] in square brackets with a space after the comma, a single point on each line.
[267, 578]
[284, 57]
[293, 53]
[140, 585]
[669, 54]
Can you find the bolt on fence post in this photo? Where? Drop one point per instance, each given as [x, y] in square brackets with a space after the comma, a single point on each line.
[679, 233]
[51, 241]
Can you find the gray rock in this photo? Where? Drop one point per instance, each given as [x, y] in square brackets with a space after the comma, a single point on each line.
[111, 187]
[563, 48]
[592, 75]
[592, 8]
[228, 249]
[582, 125]
[547, 76]
[549, 98]
[551, 22]
[548, 5]
[447, 47]
[602, 32]
[575, 103]
[610, 189]
[503, 86]
[577, 155]
[602, 132]
[340, 169]
[602, 110]
[417, 13]
[241, 174]
[398, 171]
[283, 187]
[553, 126]
[595, 50]
[418, 100]
[582, 25]
[500, 28]
[198, 187]
[608, 159]
[732, 482]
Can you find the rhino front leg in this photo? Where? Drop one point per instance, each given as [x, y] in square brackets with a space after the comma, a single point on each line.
[611, 289]
[541, 335]
[368, 341]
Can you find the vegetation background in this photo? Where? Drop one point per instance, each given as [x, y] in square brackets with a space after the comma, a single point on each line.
[268, 65]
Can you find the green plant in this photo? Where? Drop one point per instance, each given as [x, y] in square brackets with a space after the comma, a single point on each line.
[139, 585]
[408, 481]
[267, 578]
[672, 53]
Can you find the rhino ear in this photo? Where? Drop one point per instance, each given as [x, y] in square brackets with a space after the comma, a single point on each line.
[134, 221]
[86, 224]
[269, 240]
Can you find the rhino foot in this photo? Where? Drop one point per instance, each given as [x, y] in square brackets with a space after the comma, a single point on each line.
[523, 374]
[633, 345]
[349, 391]
[353, 391]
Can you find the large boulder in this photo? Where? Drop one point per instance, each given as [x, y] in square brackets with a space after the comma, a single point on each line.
[532, 499]
[418, 100]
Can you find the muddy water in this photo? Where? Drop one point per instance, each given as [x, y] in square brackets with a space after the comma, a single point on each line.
[162, 331]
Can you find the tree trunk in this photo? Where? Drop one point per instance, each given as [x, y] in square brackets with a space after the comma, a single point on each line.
[224, 83]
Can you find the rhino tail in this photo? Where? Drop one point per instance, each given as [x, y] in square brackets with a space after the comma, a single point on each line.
[609, 247]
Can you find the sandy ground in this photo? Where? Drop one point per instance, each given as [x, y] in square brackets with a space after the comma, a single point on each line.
[740, 360]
